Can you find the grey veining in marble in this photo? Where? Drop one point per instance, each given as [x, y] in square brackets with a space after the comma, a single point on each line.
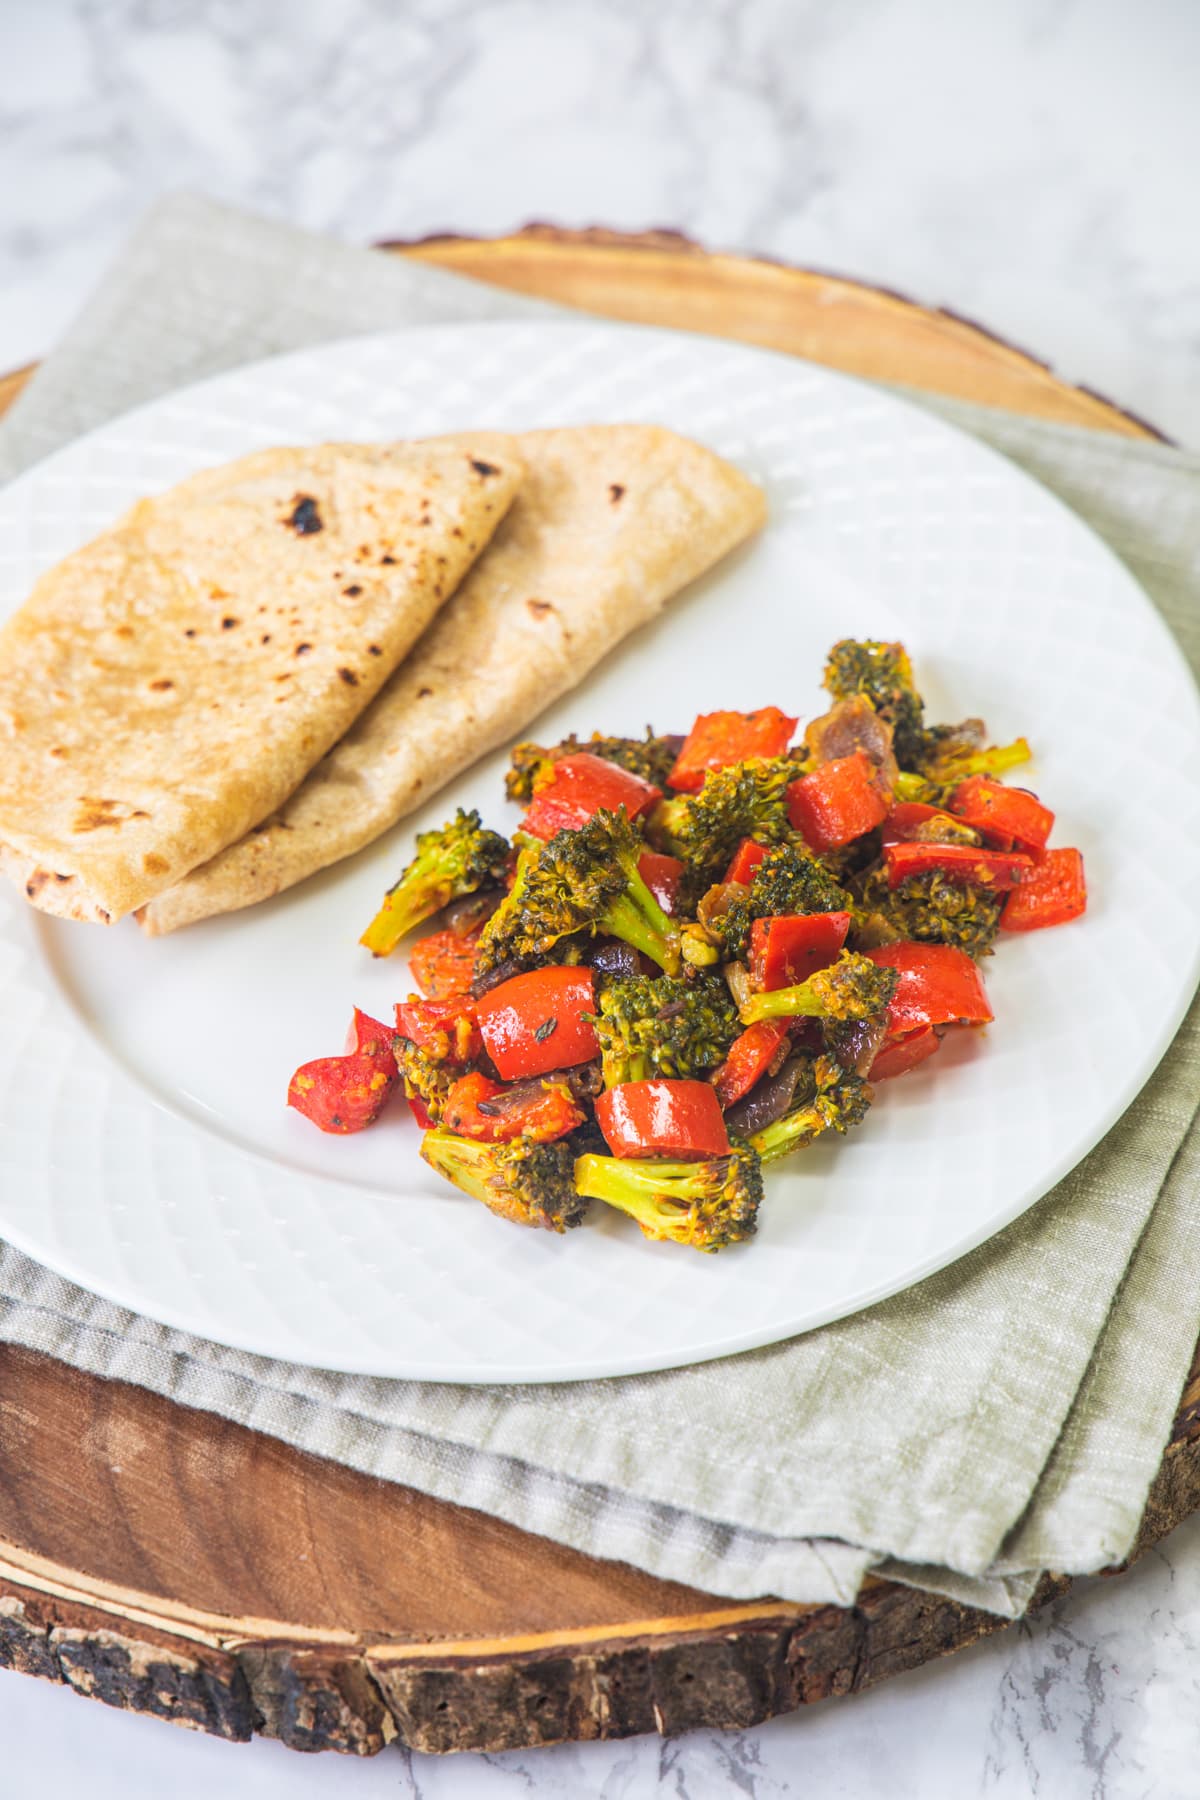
[1031, 164]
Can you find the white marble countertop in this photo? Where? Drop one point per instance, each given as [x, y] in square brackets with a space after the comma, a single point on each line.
[1029, 165]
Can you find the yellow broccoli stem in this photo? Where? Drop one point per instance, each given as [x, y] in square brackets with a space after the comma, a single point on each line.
[782, 1003]
[395, 919]
[635, 1187]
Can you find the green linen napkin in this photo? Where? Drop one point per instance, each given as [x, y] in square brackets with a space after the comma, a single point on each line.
[1002, 1418]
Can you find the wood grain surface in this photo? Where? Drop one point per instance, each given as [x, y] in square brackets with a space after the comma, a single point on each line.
[166, 1561]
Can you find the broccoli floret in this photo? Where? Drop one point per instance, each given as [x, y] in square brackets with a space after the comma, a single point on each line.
[747, 799]
[581, 881]
[935, 910]
[882, 674]
[673, 1028]
[651, 757]
[704, 1204]
[531, 1184]
[790, 879]
[947, 754]
[424, 1077]
[456, 860]
[832, 1099]
[851, 988]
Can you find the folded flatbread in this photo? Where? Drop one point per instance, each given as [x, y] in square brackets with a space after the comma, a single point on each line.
[169, 685]
[609, 523]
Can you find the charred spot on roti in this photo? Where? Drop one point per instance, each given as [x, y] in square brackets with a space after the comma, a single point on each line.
[58, 750]
[374, 650]
[189, 631]
[265, 638]
[615, 492]
[95, 814]
[387, 558]
[154, 864]
[305, 517]
[484, 468]
[352, 590]
[36, 883]
[539, 608]
[302, 649]
[348, 676]
[162, 686]
[424, 693]
[228, 623]
[123, 631]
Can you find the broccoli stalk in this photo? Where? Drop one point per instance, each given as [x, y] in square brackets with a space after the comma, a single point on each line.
[423, 1076]
[834, 1100]
[704, 1204]
[528, 1183]
[585, 880]
[666, 1027]
[851, 988]
[449, 863]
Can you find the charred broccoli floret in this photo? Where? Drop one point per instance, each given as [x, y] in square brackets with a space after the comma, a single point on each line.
[424, 1077]
[882, 674]
[651, 757]
[851, 988]
[790, 879]
[456, 860]
[747, 799]
[531, 1184]
[832, 1099]
[704, 1204]
[581, 881]
[935, 910]
[673, 1028]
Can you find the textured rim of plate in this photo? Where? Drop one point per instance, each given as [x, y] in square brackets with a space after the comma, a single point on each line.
[180, 1319]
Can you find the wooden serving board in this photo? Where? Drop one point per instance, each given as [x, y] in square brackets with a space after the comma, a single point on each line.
[163, 1560]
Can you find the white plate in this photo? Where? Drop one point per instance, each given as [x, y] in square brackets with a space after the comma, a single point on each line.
[145, 1149]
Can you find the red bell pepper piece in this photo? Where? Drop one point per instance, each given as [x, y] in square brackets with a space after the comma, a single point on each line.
[900, 1054]
[789, 948]
[1054, 893]
[838, 802]
[662, 875]
[911, 820]
[447, 1028]
[419, 1111]
[750, 1056]
[996, 869]
[536, 1022]
[543, 1115]
[720, 738]
[344, 1093]
[746, 859]
[1008, 817]
[939, 985]
[367, 1037]
[662, 1118]
[444, 965]
[580, 785]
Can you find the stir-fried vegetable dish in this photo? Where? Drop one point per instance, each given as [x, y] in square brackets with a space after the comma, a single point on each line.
[698, 954]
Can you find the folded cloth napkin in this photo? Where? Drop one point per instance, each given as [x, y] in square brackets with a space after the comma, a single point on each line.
[1002, 1418]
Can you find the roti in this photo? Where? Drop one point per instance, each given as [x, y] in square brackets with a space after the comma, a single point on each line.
[166, 687]
[611, 521]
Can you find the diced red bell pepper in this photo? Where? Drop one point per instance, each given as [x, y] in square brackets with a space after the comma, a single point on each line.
[580, 785]
[789, 948]
[900, 1054]
[662, 1118]
[750, 1056]
[419, 1111]
[662, 875]
[1054, 893]
[546, 1113]
[342, 1093]
[367, 1037]
[447, 1028]
[939, 985]
[444, 965]
[720, 738]
[911, 820]
[838, 802]
[963, 863]
[536, 1022]
[1011, 818]
[746, 860]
